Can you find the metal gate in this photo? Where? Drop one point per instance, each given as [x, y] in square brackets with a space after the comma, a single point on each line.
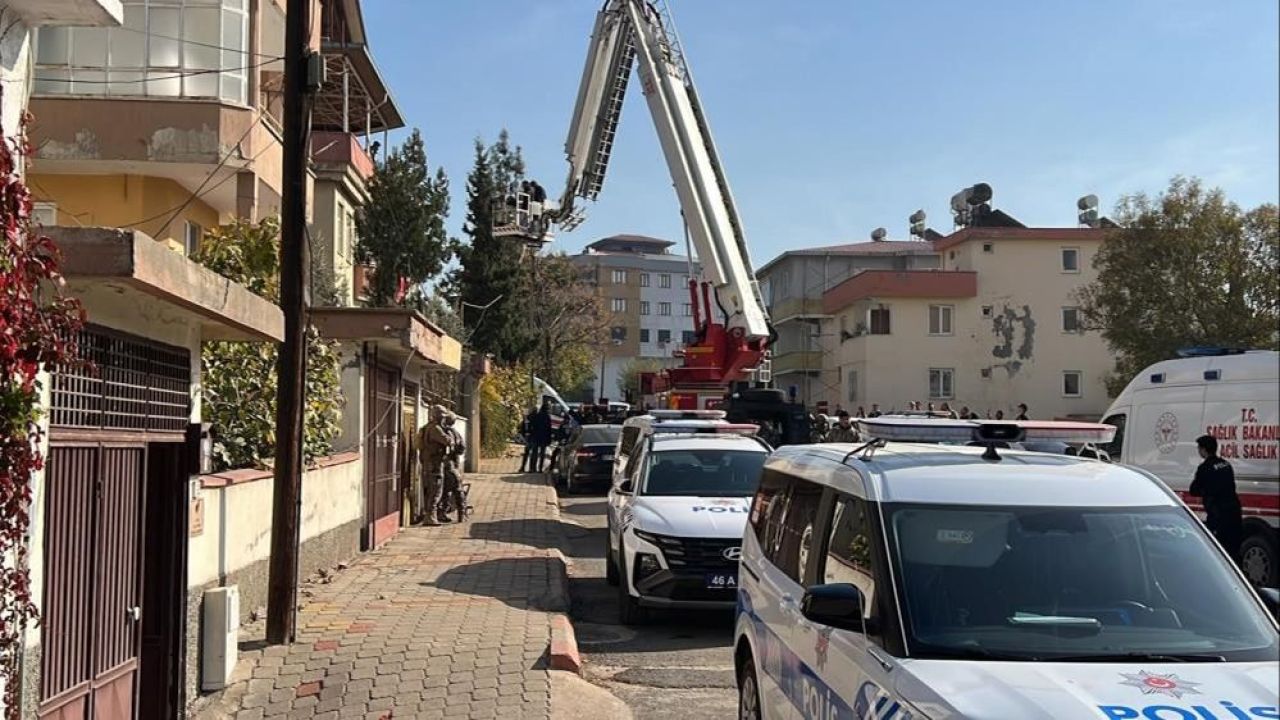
[382, 434]
[93, 581]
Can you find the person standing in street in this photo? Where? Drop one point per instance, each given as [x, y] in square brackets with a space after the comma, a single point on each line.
[1215, 485]
[875, 410]
[1022, 412]
[452, 494]
[843, 431]
[526, 432]
[434, 443]
[540, 436]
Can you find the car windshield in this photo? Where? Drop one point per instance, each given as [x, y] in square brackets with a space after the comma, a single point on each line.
[704, 473]
[1050, 583]
[600, 434]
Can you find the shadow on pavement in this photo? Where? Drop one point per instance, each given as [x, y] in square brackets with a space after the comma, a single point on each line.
[590, 508]
[522, 583]
[542, 533]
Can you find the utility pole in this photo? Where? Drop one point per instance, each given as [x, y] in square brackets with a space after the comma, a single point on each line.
[300, 80]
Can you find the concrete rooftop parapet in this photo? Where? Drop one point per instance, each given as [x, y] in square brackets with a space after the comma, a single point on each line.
[394, 330]
[131, 262]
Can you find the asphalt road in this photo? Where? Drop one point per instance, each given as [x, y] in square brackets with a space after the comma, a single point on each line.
[676, 666]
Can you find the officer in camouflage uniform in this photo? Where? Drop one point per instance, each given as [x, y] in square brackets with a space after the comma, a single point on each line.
[434, 443]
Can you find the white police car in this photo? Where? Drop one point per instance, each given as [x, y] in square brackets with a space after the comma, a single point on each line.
[905, 581]
[676, 514]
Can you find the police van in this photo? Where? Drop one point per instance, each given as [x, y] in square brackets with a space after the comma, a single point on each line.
[916, 577]
[1233, 396]
[677, 509]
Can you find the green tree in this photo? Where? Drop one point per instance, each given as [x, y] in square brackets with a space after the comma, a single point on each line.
[629, 379]
[567, 320]
[434, 308]
[491, 272]
[401, 228]
[1185, 268]
[239, 378]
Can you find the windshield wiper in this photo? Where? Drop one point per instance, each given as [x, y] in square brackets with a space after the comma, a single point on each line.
[974, 652]
[1138, 657]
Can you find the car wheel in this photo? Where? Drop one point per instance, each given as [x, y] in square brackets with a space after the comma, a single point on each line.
[1260, 560]
[748, 692]
[630, 611]
[610, 565]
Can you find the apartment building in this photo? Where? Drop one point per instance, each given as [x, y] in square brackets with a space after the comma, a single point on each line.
[645, 288]
[793, 285]
[996, 325]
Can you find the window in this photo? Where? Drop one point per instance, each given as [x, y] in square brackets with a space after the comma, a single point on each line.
[191, 235]
[664, 337]
[688, 310]
[769, 508]
[847, 558]
[1070, 260]
[703, 473]
[644, 335]
[1116, 446]
[1071, 381]
[940, 383]
[644, 279]
[664, 308]
[879, 320]
[618, 334]
[619, 277]
[795, 539]
[619, 305]
[164, 48]
[1070, 320]
[986, 311]
[985, 373]
[940, 319]
[664, 280]
[688, 337]
[644, 307]
[988, 248]
[45, 214]
[853, 385]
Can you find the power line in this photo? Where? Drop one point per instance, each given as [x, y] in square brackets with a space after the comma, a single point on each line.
[158, 78]
[197, 43]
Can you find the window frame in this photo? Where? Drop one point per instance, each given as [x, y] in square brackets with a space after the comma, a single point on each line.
[1079, 376]
[644, 335]
[644, 307]
[187, 243]
[664, 336]
[618, 305]
[1062, 259]
[888, 322]
[618, 276]
[688, 309]
[644, 279]
[948, 393]
[43, 208]
[942, 311]
[988, 247]
[1075, 312]
[664, 309]
[664, 280]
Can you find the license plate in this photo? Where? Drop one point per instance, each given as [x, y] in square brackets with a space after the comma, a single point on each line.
[722, 581]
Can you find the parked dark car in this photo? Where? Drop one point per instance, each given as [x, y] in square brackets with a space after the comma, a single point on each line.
[587, 457]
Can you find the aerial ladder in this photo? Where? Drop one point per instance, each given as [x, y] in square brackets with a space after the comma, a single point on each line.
[731, 323]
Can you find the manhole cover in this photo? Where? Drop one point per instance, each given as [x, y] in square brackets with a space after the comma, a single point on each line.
[594, 634]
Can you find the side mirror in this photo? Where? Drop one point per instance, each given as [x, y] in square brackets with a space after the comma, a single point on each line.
[626, 487]
[1271, 598]
[837, 605]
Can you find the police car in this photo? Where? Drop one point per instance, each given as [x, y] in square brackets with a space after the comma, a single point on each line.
[677, 510]
[907, 581]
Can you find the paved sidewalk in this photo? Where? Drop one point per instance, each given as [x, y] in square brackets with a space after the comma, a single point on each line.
[448, 622]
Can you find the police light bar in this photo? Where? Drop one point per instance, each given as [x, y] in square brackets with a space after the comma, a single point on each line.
[679, 428]
[687, 414]
[901, 429]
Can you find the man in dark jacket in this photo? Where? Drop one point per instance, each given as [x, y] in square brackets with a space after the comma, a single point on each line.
[540, 435]
[526, 432]
[1215, 485]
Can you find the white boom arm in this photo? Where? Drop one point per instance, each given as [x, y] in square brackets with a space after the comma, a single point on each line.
[626, 30]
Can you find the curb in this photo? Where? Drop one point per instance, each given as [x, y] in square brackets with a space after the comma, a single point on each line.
[564, 645]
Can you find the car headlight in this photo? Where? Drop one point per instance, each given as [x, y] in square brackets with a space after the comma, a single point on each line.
[646, 565]
[648, 537]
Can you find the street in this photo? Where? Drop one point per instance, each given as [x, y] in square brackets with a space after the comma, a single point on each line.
[675, 666]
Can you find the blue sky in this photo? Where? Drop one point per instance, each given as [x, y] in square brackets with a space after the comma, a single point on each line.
[836, 117]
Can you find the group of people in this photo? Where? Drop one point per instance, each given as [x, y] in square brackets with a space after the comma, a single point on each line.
[842, 430]
[537, 430]
[440, 451]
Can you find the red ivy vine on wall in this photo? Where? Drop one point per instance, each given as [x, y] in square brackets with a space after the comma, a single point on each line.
[38, 325]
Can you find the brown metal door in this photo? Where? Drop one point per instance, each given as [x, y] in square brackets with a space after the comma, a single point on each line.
[381, 471]
[93, 544]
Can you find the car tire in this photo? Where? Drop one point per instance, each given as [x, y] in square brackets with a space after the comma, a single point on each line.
[610, 565]
[749, 692]
[1260, 559]
[630, 612]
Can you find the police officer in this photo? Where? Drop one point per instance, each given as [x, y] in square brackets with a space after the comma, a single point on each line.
[843, 432]
[1215, 485]
[453, 470]
[434, 443]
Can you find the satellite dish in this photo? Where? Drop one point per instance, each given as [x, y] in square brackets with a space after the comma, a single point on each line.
[1088, 202]
[979, 194]
[916, 217]
[879, 234]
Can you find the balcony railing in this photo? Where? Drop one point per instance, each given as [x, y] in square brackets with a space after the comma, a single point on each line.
[335, 148]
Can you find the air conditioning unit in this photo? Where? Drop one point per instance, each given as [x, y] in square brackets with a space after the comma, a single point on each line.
[221, 636]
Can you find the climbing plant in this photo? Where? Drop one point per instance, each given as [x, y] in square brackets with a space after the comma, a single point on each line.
[38, 325]
[239, 378]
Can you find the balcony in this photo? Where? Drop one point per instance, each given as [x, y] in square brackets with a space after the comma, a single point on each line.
[797, 361]
[339, 151]
[85, 13]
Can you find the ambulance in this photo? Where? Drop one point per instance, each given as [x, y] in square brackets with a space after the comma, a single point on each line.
[1233, 396]
[916, 577]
